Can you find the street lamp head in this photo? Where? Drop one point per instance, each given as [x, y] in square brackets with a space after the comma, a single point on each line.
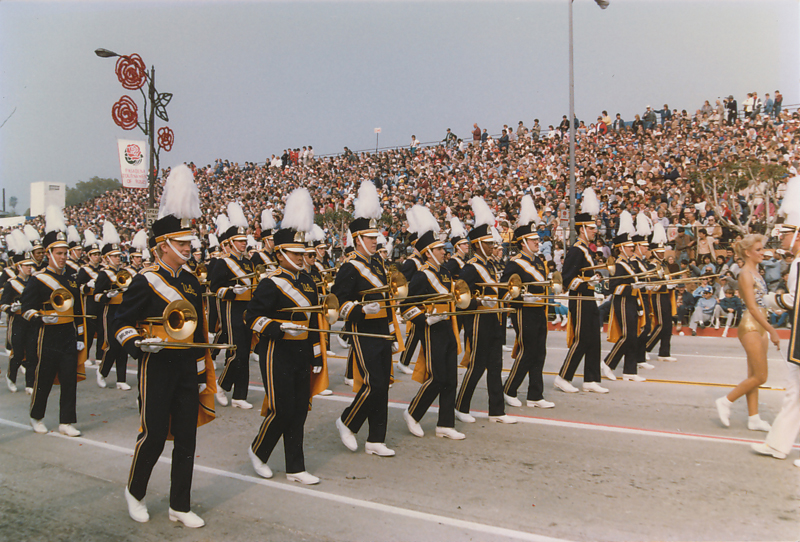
[602, 3]
[105, 53]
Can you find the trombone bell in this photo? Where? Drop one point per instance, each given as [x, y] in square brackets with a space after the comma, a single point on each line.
[124, 279]
[180, 320]
[62, 300]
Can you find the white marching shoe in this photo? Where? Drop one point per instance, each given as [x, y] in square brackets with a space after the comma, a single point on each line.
[348, 381]
[564, 385]
[259, 466]
[100, 380]
[449, 432]
[136, 509]
[755, 423]
[511, 401]
[594, 387]
[28, 391]
[241, 403]
[222, 399]
[68, 430]
[507, 348]
[304, 478]
[607, 372]
[646, 365]
[633, 378]
[190, 519]
[413, 425]
[765, 449]
[405, 369]
[347, 436]
[557, 319]
[12, 387]
[38, 426]
[667, 358]
[465, 418]
[325, 392]
[505, 418]
[378, 448]
[541, 403]
[123, 386]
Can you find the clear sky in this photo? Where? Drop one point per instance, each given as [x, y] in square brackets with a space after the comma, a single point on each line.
[253, 78]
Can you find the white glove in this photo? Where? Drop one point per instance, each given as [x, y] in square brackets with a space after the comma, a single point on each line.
[596, 279]
[15, 306]
[293, 330]
[670, 286]
[638, 285]
[530, 298]
[316, 369]
[435, 319]
[50, 319]
[111, 294]
[371, 308]
[201, 387]
[490, 303]
[80, 346]
[238, 290]
[652, 288]
[151, 345]
[395, 347]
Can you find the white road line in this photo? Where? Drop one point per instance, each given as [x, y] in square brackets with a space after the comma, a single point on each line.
[341, 499]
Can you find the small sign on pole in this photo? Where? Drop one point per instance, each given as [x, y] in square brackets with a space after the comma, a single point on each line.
[150, 216]
[377, 130]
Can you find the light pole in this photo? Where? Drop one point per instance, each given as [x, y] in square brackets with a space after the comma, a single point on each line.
[132, 73]
[572, 198]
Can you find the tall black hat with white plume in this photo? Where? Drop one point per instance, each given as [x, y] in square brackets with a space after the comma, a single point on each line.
[267, 224]
[55, 229]
[366, 211]
[528, 219]
[484, 221]
[238, 228]
[428, 230]
[110, 240]
[180, 204]
[590, 207]
[298, 219]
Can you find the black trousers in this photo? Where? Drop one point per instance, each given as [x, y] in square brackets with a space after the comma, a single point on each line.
[91, 328]
[629, 343]
[644, 333]
[58, 355]
[440, 346]
[662, 333]
[236, 374]
[19, 329]
[168, 396]
[531, 327]
[374, 363]
[485, 333]
[412, 340]
[113, 355]
[286, 373]
[585, 317]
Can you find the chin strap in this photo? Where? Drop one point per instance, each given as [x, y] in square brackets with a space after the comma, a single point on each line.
[361, 240]
[175, 250]
[435, 259]
[52, 260]
[290, 262]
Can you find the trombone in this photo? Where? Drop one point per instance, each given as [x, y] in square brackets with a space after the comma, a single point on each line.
[329, 307]
[398, 286]
[62, 300]
[460, 296]
[201, 272]
[514, 285]
[342, 332]
[180, 322]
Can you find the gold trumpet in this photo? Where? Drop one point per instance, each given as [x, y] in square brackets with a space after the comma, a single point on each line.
[180, 322]
[398, 286]
[329, 307]
[514, 285]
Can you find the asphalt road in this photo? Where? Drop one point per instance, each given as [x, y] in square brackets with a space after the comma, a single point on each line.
[648, 461]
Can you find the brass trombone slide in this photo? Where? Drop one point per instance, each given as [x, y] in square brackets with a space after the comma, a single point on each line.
[476, 311]
[356, 333]
[514, 284]
[398, 286]
[329, 307]
[177, 346]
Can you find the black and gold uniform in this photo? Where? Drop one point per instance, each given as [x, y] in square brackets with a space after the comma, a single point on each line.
[108, 295]
[641, 264]
[7, 274]
[87, 279]
[664, 308]
[409, 268]
[626, 311]
[18, 330]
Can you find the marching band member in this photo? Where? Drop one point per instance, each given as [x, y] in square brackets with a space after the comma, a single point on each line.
[438, 375]
[267, 255]
[627, 308]
[460, 242]
[176, 385]
[61, 346]
[75, 250]
[18, 330]
[38, 249]
[372, 356]
[483, 334]
[232, 282]
[783, 434]
[312, 239]
[662, 299]
[410, 266]
[108, 295]
[139, 246]
[87, 278]
[583, 329]
[641, 264]
[9, 272]
[530, 317]
[287, 350]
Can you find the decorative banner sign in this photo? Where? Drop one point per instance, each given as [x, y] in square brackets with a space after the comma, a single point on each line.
[133, 163]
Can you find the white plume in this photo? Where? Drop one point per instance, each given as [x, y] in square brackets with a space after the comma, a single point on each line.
[11, 246]
[222, 223]
[267, 220]
[496, 237]
[527, 212]
[389, 245]
[457, 228]
[54, 219]
[790, 207]
[196, 243]
[212, 241]
[251, 241]
[315, 234]
[89, 238]
[411, 217]
[22, 243]
[483, 214]
[589, 202]
[146, 254]
[659, 234]
[181, 198]
[626, 224]
[236, 215]
[368, 203]
[140, 241]
[349, 240]
[31, 233]
[381, 239]
[72, 235]
[643, 226]
[110, 235]
[425, 220]
[298, 214]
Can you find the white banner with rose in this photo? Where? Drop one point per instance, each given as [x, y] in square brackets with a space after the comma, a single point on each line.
[133, 163]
